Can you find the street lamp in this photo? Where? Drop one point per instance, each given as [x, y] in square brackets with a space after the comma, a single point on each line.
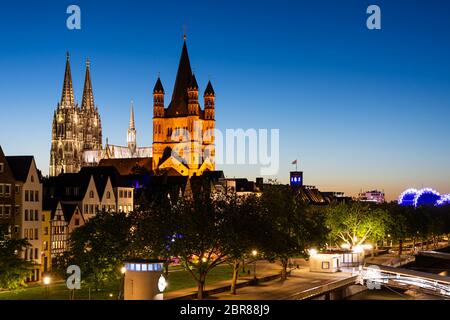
[47, 280]
[254, 254]
[123, 270]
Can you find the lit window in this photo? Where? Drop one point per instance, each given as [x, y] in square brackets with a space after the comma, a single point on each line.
[138, 267]
[144, 267]
[132, 266]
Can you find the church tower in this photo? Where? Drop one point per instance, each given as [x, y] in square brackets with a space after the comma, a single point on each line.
[92, 126]
[66, 148]
[179, 142]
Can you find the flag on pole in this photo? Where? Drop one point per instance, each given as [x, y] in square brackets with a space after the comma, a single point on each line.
[294, 162]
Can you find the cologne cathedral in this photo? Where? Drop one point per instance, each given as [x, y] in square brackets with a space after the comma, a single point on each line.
[75, 129]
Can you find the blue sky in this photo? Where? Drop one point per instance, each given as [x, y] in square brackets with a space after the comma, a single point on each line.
[359, 109]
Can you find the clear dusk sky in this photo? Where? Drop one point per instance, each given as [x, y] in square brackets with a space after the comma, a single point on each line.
[360, 109]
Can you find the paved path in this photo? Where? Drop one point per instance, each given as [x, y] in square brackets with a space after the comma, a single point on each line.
[300, 280]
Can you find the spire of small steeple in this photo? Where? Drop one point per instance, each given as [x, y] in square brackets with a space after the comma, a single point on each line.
[88, 95]
[209, 89]
[67, 97]
[132, 115]
[158, 86]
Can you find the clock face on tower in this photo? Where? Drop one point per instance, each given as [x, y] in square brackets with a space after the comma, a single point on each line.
[296, 179]
[162, 284]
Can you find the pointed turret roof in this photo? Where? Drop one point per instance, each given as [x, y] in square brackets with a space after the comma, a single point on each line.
[209, 89]
[158, 86]
[178, 105]
[67, 97]
[132, 115]
[88, 94]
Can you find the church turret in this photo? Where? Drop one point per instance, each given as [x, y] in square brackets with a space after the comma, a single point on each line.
[131, 136]
[158, 99]
[208, 98]
[192, 90]
[67, 97]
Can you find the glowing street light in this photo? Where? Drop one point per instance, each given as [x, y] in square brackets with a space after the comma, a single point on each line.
[312, 252]
[254, 254]
[47, 280]
[123, 270]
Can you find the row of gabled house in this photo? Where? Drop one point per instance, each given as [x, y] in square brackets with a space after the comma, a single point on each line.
[46, 210]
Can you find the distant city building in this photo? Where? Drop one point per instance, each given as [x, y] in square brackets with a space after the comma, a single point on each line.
[296, 178]
[373, 196]
[21, 205]
[335, 196]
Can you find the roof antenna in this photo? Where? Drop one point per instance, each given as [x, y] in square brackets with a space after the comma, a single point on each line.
[184, 32]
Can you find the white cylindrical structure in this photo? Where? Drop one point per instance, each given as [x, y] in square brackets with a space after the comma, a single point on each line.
[143, 280]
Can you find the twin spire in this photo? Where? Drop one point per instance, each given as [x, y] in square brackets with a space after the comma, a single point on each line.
[67, 97]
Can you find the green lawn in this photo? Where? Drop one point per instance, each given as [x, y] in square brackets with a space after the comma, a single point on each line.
[58, 291]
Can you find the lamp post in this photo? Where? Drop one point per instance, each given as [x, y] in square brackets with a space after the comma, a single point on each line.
[47, 282]
[254, 254]
[122, 282]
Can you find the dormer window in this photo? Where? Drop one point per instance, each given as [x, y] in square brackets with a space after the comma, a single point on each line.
[108, 195]
[2, 167]
[91, 194]
[32, 178]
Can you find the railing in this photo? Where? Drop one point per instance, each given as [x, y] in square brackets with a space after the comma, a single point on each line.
[323, 289]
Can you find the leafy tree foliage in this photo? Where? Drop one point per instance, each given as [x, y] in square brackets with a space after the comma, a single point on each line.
[355, 223]
[100, 246]
[13, 269]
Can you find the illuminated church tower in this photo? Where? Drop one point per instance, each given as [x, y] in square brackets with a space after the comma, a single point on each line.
[183, 136]
[74, 129]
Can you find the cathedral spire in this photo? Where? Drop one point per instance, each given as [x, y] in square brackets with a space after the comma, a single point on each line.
[67, 97]
[132, 115]
[88, 95]
[131, 134]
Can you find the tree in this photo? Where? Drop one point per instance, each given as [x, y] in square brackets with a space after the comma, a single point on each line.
[398, 226]
[13, 269]
[293, 227]
[100, 246]
[245, 230]
[203, 231]
[355, 223]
